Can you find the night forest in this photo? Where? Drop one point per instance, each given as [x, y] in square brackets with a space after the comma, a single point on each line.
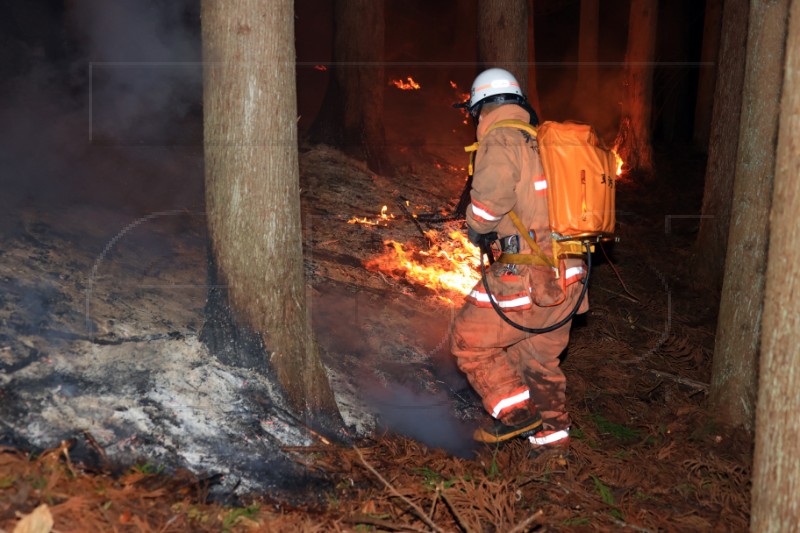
[233, 244]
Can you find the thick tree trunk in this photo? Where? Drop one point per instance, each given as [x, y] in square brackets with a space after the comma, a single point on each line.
[586, 85]
[503, 37]
[504, 32]
[634, 140]
[252, 191]
[351, 117]
[712, 239]
[734, 372]
[533, 93]
[709, 54]
[776, 468]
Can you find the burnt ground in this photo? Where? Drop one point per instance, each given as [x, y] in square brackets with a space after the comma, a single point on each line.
[646, 454]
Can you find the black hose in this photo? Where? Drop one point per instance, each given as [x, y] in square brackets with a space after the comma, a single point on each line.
[548, 328]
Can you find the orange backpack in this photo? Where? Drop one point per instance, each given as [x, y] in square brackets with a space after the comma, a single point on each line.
[581, 187]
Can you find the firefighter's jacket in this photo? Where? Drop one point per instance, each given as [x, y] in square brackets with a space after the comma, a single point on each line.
[508, 175]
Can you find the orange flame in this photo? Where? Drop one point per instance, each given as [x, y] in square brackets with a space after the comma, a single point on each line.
[619, 161]
[384, 217]
[406, 86]
[449, 267]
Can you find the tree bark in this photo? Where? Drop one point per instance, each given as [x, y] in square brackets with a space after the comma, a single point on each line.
[586, 86]
[634, 142]
[252, 193]
[735, 366]
[351, 117]
[776, 467]
[709, 53]
[712, 238]
[503, 37]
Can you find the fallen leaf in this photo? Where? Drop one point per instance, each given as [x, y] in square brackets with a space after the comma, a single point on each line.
[39, 521]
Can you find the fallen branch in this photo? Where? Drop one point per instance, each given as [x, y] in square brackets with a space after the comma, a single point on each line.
[419, 512]
[699, 385]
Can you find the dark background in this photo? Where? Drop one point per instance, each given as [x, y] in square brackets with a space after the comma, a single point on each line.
[101, 101]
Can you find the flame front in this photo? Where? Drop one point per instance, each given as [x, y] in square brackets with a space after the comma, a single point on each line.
[450, 267]
[406, 86]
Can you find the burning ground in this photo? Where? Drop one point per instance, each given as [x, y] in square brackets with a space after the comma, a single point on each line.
[101, 365]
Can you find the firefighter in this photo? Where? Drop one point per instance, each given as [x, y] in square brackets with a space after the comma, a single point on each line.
[517, 374]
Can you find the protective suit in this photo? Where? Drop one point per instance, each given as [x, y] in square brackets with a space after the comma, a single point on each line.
[513, 371]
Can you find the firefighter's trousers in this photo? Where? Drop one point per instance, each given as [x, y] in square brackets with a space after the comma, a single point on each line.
[510, 368]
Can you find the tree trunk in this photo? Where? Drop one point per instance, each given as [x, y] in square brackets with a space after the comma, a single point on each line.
[709, 53]
[584, 99]
[503, 37]
[351, 117]
[712, 239]
[734, 371]
[533, 93]
[634, 140]
[252, 194]
[776, 466]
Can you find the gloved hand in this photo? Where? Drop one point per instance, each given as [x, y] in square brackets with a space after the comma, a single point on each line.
[479, 238]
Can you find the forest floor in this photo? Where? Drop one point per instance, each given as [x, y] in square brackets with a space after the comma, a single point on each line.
[645, 455]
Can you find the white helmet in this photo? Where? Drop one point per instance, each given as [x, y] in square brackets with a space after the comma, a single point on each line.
[492, 82]
[496, 85]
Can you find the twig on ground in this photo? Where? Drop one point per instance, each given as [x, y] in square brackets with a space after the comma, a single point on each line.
[616, 294]
[365, 519]
[614, 268]
[433, 504]
[419, 512]
[402, 203]
[622, 523]
[525, 523]
[459, 520]
[699, 385]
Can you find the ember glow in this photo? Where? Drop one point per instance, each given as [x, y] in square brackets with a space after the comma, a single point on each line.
[410, 85]
[320, 67]
[461, 96]
[449, 267]
[382, 220]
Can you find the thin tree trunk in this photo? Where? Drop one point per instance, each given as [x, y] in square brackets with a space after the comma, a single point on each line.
[709, 53]
[634, 140]
[735, 366]
[252, 192]
[712, 239]
[533, 93]
[503, 37]
[586, 86]
[776, 467]
[671, 123]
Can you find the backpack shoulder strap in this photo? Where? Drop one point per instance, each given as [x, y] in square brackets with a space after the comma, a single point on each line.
[514, 123]
[508, 123]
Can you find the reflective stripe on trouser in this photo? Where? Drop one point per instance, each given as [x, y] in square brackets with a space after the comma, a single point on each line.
[500, 360]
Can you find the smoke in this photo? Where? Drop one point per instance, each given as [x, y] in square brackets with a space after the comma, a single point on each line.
[424, 416]
[143, 61]
[106, 111]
